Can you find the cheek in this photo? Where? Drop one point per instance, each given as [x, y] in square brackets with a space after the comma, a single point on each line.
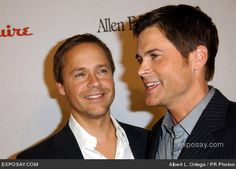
[110, 86]
[109, 83]
[182, 76]
[74, 89]
[170, 73]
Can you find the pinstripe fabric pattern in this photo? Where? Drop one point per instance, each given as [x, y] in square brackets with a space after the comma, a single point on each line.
[217, 125]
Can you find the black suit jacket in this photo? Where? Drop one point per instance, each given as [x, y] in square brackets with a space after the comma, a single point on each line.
[217, 124]
[64, 145]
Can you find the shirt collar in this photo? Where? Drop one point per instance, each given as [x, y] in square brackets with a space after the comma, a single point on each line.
[167, 123]
[120, 132]
[83, 138]
[192, 117]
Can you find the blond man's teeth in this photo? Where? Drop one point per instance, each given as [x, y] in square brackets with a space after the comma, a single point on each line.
[94, 96]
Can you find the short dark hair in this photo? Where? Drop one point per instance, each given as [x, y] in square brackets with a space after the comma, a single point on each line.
[58, 62]
[186, 27]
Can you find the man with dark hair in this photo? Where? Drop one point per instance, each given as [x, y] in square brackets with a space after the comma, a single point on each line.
[83, 70]
[176, 50]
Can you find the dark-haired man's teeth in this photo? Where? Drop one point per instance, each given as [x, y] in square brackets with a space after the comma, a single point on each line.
[152, 84]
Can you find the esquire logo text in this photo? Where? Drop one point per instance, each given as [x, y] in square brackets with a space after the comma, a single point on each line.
[10, 31]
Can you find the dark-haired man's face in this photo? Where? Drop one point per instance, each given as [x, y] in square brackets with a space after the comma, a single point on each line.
[166, 74]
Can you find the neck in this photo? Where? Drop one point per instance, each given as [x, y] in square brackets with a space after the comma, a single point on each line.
[98, 127]
[184, 105]
[103, 129]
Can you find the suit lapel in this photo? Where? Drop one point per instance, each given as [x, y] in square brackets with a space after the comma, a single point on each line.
[66, 145]
[209, 129]
[136, 146]
[138, 140]
[154, 139]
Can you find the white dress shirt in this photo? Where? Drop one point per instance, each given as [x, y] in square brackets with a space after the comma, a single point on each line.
[87, 142]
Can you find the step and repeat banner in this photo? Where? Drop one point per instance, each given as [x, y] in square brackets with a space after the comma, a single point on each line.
[31, 31]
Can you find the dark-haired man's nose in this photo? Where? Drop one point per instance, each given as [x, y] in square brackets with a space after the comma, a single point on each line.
[144, 69]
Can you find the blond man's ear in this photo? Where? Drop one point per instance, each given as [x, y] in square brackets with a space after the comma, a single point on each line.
[60, 89]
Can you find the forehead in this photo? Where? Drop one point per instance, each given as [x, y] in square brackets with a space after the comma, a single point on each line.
[85, 53]
[85, 47]
[152, 38]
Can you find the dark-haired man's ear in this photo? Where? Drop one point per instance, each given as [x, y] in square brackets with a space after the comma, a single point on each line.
[200, 56]
[60, 89]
